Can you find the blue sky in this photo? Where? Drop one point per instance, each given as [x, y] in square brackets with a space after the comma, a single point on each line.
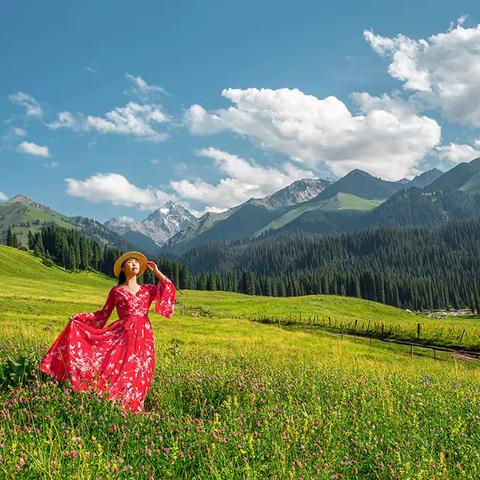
[112, 108]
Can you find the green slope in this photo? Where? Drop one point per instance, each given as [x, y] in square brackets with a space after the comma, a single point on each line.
[346, 201]
[457, 177]
[338, 202]
[23, 214]
[27, 215]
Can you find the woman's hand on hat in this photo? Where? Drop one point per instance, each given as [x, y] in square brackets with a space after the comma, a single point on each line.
[152, 266]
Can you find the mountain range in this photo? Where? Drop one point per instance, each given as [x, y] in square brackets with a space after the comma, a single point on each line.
[356, 201]
[329, 207]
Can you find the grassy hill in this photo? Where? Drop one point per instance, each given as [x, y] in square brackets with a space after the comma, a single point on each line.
[232, 398]
[23, 214]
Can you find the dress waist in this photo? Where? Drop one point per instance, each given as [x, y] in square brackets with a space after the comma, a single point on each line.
[131, 317]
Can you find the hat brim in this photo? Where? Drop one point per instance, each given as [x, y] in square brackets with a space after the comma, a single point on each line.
[142, 259]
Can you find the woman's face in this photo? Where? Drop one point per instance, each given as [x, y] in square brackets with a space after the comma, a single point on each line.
[131, 267]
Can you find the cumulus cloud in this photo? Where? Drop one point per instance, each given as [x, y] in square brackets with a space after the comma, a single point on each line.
[133, 119]
[442, 70]
[32, 107]
[455, 153]
[141, 89]
[386, 137]
[246, 179]
[116, 189]
[31, 148]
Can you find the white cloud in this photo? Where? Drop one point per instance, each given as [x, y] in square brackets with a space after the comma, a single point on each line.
[386, 138]
[19, 132]
[454, 153]
[132, 119]
[116, 189]
[246, 179]
[443, 70]
[141, 89]
[199, 213]
[33, 149]
[32, 107]
[3, 197]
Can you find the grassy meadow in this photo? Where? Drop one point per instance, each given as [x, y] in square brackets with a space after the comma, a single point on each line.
[238, 399]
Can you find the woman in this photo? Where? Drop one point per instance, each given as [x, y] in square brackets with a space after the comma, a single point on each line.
[120, 358]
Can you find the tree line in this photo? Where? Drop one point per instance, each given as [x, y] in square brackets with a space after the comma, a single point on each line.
[416, 268]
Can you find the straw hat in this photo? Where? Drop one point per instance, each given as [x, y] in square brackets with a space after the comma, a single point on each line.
[142, 259]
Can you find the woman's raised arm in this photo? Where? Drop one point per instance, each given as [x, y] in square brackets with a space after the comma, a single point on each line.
[164, 296]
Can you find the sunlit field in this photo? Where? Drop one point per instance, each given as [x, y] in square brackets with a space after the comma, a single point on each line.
[234, 398]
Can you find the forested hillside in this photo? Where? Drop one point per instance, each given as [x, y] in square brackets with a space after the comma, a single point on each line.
[417, 267]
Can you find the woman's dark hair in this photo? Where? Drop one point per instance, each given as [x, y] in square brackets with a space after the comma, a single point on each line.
[122, 278]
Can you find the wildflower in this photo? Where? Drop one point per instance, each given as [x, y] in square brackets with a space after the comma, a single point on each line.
[426, 379]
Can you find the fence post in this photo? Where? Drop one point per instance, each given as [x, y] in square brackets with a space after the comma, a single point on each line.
[419, 328]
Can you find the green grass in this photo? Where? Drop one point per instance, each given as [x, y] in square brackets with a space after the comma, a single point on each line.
[232, 398]
[343, 314]
[347, 201]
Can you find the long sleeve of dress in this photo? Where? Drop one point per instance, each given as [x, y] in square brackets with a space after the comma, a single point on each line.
[99, 318]
[164, 297]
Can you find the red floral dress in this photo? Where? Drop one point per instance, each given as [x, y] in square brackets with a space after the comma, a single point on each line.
[118, 359]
